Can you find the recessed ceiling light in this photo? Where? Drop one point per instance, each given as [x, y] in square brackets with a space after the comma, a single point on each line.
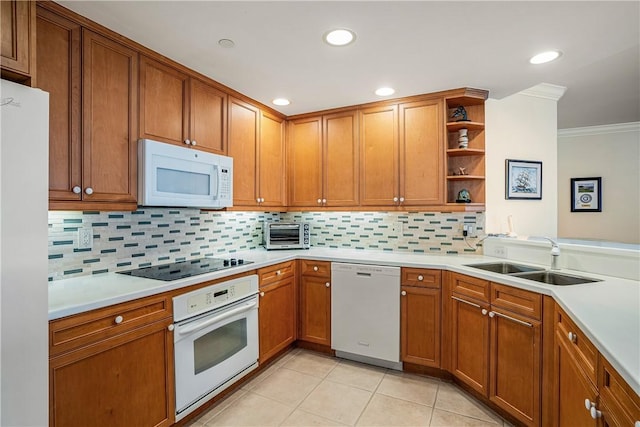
[281, 101]
[385, 91]
[228, 43]
[545, 57]
[339, 37]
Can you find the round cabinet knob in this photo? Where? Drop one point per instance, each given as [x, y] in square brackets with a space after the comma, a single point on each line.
[188, 142]
[77, 189]
[401, 199]
[278, 273]
[491, 314]
[118, 320]
[89, 191]
[395, 199]
[258, 200]
[637, 424]
[595, 414]
[421, 277]
[315, 268]
[327, 284]
[319, 201]
[261, 294]
[170, 328]
[324, 201]
[588, 404]
[194, 143]
[403, 293]
[262, 200]
[572, 337]
[484, 311]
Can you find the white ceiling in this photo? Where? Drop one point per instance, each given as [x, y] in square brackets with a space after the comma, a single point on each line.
[416, 47]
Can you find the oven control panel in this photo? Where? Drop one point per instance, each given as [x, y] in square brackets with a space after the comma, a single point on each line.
[214, 296]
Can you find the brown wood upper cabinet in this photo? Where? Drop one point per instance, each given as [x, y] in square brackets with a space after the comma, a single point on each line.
[17, 40]
[324, 160]
[402, 154]
[180, 109]
[256, 143]
[496, 343]
[93, 87]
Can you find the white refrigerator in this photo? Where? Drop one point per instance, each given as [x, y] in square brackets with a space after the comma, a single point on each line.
[24, 177]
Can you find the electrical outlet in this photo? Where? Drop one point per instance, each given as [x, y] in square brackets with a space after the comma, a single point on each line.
[500, 251]
[85, 238]
[397, 228]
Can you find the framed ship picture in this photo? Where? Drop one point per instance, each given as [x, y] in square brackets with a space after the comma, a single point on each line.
[586, 194]
[523, 179]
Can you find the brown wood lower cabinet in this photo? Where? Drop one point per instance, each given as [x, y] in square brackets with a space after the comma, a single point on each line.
[277, 311]
[420, 316]
[315, 302]
[496, 344]
[123, 381]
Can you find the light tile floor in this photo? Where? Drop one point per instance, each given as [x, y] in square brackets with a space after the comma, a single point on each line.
[304, 388]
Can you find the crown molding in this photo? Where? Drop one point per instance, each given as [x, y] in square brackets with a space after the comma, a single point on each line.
[599, 130]
[545, 90]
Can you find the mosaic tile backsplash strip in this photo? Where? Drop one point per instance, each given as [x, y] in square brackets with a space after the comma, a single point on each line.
[127, 240]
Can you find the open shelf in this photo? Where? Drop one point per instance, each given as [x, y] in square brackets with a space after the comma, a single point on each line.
[459, 152]
[464, 177]
[456, 126]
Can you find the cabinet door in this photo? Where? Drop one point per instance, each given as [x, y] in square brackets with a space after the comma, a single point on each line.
[421, 153]
[271, 163]
[470, 343]
[572, 388]
[109, 118]
[208, 117]
[420, 325]
[305, 162]
[243, 145]
[379, 156]
[515, 365]
[123, 381]
[276, 317]
[164, 102]
[315, 310]
[341, 160]
[17, 37]
[58, 70]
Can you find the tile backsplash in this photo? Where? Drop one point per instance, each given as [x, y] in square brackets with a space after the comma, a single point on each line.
[127, 240]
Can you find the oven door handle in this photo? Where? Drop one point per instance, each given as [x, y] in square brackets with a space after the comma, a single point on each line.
[220, 318]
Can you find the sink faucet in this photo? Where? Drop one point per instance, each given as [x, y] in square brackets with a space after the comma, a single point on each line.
[555, 253]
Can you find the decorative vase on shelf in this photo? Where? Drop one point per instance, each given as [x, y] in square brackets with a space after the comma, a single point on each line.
[463, 139]
[463, 196]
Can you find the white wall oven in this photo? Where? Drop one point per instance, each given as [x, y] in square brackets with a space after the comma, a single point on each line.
[215, 340]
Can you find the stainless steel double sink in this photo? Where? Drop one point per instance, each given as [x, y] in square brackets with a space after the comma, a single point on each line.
[533, 273]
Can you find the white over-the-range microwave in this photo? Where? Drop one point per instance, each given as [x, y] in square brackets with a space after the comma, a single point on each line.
[174, 176]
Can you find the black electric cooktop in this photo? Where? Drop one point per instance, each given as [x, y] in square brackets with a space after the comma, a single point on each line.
[182, 269]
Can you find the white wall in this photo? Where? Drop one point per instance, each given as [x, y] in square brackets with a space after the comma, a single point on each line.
[24, 180]
[613, 153]
[522, 126]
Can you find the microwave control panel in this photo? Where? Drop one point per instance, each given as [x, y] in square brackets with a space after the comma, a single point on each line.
[225, 183]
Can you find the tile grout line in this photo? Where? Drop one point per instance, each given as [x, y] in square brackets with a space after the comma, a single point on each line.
[373, 393]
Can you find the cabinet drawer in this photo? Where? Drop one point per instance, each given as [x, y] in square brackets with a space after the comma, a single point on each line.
[580, 346]
[315, 268]
[620, 404]
[87, 328]
[276, 272]
[470, 286]
[517, 300]
[421, 277]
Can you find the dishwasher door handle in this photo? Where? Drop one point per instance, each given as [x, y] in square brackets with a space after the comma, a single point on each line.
[359, 273]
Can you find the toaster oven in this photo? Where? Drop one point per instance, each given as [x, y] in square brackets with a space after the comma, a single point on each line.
[286, 235]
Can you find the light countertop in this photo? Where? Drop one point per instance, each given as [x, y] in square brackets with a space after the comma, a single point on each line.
[608, 312]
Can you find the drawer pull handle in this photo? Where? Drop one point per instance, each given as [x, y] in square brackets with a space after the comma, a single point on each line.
[171, 328]
[513, 319]
[403, 293]
[118, 319]
[572, 337]
[466, 302]
[315, 268]
[421, 277]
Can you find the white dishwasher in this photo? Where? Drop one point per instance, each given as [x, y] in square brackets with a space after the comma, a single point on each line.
[365, 313]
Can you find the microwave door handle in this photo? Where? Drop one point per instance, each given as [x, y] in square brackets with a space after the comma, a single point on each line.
[219, 181]
[285, 226]
[217, 319]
